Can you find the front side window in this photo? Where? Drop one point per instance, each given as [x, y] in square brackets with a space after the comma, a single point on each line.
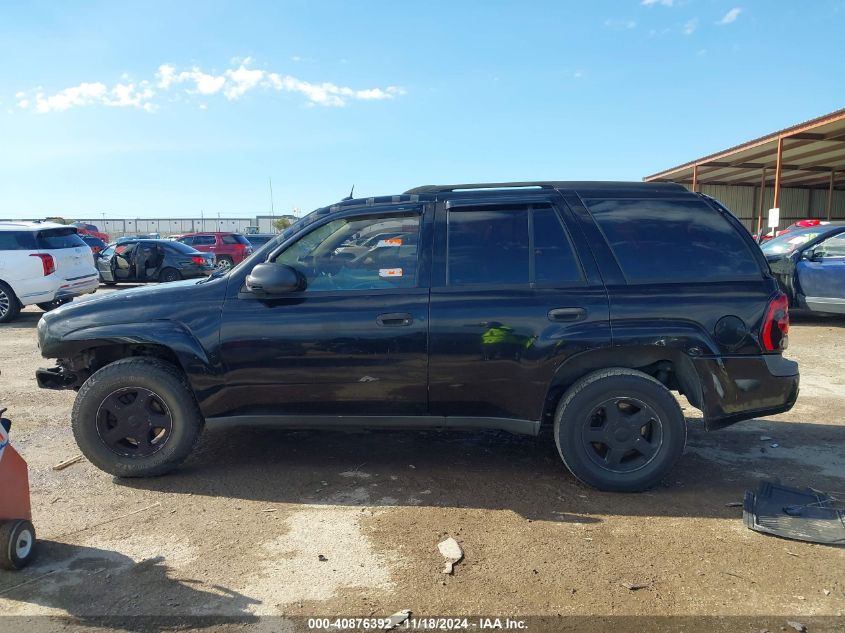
[204, 240]
[832, 247]
[368, 253]
[672, 240]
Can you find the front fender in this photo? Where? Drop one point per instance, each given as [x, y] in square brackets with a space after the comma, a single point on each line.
[169, 334]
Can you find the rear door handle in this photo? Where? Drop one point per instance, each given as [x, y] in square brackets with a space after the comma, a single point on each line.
[395, 319]
[567, 314]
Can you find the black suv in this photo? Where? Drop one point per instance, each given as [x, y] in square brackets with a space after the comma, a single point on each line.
[574, 305]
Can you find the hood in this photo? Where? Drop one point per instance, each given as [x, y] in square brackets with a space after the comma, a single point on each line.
[184, 302]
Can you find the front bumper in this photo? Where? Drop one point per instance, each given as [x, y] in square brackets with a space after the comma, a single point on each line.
[57, 378]
[745, 387]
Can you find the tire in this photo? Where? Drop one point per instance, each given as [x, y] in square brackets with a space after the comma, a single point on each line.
[157, 424]
[619, 430]
[10, 307]
[224, 262]
[17, 544]
[169, 274]
[52, 305]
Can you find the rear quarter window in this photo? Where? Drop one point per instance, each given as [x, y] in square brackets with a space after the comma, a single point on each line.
[673, 241]
[235, 238]
[52, 239]
[17, 241]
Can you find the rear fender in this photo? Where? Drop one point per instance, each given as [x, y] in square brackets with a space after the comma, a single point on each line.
[668, 364]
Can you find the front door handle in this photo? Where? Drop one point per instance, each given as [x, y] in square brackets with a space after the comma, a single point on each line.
[567, 314]
[394, 319]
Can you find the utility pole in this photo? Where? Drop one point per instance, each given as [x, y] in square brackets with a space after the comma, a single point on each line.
[272, 208]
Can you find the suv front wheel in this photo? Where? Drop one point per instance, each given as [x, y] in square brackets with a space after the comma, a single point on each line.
[136, 417]
[619, 430]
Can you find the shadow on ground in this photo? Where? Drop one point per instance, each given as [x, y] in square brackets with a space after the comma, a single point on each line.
[94, 586]
[491, 470]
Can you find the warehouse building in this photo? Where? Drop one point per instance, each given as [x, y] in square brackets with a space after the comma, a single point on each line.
[800, 170]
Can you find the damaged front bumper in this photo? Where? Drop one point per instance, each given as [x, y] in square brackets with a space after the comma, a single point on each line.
[57, 378]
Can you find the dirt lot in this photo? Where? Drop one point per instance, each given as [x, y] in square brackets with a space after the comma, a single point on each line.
[239, 529]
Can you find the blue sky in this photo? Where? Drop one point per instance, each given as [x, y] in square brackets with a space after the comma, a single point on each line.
[163, 109]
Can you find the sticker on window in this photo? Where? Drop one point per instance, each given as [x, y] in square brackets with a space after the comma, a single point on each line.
[390, 272]
[393, 241]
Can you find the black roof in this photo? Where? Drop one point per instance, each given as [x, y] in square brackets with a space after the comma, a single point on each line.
[550, 184]
[584, 188]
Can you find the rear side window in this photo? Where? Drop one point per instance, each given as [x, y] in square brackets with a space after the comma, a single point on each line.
[235, 238]
[672, 241]
[497, 246]
[488, 246]
[17, 241]
[554, 259]
[52, 239]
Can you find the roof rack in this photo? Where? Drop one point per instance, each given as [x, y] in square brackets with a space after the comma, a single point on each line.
[544, 184]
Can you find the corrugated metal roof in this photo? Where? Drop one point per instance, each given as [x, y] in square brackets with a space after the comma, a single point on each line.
[811, 152]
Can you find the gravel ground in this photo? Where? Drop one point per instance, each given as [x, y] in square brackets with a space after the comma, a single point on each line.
[241, 529]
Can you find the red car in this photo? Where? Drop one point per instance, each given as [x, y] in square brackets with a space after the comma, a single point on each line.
[800, 224]
[229, 249]
[83, 228]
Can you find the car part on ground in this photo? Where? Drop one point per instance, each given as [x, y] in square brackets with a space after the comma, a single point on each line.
[515, 306]
[793, 513]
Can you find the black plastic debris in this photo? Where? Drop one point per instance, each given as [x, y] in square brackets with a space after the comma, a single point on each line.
[802, 515]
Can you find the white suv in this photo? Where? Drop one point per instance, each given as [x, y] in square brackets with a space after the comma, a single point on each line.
[42, 263]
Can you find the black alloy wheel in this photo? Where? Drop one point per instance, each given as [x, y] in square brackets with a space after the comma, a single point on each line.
[622, 434]
[134, 422]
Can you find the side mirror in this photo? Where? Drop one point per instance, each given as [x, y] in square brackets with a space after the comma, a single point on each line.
[811, 255]
[268, 279]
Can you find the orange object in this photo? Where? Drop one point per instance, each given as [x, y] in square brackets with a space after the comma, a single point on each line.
[14, 483]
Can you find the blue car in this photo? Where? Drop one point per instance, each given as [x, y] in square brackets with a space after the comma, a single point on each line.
[810, 266]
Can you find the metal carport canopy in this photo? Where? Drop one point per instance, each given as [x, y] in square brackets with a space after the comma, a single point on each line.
[810, 154]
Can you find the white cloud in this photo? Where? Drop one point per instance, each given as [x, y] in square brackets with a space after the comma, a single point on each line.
[690, 27]
[730, 16]
[329, 94]
[233, 83]
[81, 95]
[240, 81]
[651, 3]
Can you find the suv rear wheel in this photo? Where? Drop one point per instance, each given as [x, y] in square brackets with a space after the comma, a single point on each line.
[10, 307]
[136, 417]
[224, 262]
[619, 430]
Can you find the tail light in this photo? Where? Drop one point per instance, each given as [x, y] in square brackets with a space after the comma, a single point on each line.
[198, 260]
[776, 324]
[47, 262]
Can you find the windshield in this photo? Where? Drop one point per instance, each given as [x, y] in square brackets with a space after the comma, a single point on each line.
[788, 242]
